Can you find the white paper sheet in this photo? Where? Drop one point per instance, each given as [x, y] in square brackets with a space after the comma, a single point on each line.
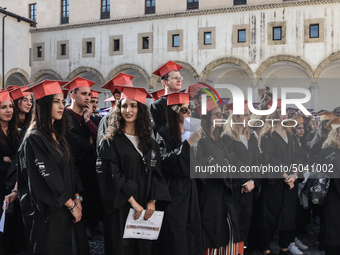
[143, 229]
[2, 221]
[190, 125]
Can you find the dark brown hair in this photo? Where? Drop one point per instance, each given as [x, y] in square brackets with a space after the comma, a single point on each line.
[172, 120]
[143, 128]
[12, 129]
[206, 125]
[28, 115]
[42, 121]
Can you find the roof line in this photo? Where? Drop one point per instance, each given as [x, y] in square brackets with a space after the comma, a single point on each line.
[18, 17]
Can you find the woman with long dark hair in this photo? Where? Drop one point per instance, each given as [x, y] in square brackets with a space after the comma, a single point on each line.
[46, 182]
[279, 194]
[330, 156]
[219, 220]
[243, 148]
[129, 172]
[23, 102]
[181, 231]
[9, 142]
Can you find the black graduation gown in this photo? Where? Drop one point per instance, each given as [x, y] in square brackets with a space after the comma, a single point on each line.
[8, 150]
[278, 202]
[121, 173]
[158, 113]
[215, 197]
[45, 184]
[331, 220]
[85, 162]
[181, 231]
[243, 157]
[96, 119]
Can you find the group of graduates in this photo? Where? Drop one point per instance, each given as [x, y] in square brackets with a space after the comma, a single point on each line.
[64, 169]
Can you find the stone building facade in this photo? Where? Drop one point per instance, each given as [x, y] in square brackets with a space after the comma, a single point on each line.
[246, 43]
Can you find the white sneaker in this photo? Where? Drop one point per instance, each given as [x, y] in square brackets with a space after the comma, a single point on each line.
[300, 244]
[294, 250]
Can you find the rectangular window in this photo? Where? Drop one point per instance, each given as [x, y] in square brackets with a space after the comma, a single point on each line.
[175, 40]
[192, 4]
[314, 31]
[105, 9]
[64, 11]
[63, 49]
[241, 36]
[88, 47]
[150, 6]
[116, 45]
[277, 33]
[33, 12]
[240, 2]
[39, 51]
[145, 43]
[207, 38]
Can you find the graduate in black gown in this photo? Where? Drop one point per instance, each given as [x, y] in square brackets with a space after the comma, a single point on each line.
[46, 184]
[9, 141]
[120, 79]
[129, 172]
[243, 148]
[172, 82]
[23, 103]
[219, 219]
[95, 117]
[279, 194]
[330, 155]
[181, 231]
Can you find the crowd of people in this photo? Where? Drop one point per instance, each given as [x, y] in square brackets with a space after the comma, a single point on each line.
[65, 169]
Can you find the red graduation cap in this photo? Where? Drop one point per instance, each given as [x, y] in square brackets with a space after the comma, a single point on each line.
[229, 106]
[135, 93]
[4, 96]
[95, 93]
[12, 87]
[157, 94]
[79, 82]
[326, 115]
[119, 79]
[333, 123]
[46, 88]
[210, 106]
[177, 98]
[167, 68]
[65, 92]
[112, 100]
[195, 87]
[19, 92]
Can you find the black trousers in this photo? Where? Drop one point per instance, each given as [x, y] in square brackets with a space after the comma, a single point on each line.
[332, 250]
[285, 238]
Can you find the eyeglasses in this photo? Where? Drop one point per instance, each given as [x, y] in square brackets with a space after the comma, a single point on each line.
[176, 78]
[184, 110]
[218, 114]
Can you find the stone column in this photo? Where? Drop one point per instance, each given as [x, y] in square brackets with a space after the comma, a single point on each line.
[314, 96]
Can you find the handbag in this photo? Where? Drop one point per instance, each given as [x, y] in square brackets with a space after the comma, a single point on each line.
[316, 187]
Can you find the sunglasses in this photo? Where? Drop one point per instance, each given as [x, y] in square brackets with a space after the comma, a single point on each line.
[218, 114]
[184, 110]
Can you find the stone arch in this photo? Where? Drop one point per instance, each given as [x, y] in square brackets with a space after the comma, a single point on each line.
[321, 67]
[83, 69]
[272, 60]
[123, 67]
[227, 60]
[19, 71]
[35, 78]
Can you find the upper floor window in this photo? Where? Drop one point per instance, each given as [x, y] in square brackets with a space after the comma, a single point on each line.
[240, 2]
[105, 10]
[150, 6]
[64, 11]
[314, 31]
[277, 33]
[192, 4]
[33, 12]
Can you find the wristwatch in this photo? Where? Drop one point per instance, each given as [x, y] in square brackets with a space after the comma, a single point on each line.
[79, 197]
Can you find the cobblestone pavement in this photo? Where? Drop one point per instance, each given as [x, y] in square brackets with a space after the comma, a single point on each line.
[97, 242]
